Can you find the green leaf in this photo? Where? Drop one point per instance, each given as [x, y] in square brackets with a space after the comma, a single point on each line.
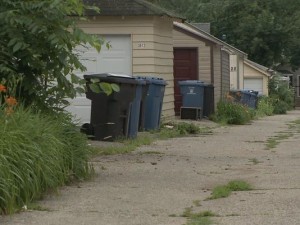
[95, 80]
[95, 87]
[17, 47]
[106, 88]
[115, 87]
[75, 79]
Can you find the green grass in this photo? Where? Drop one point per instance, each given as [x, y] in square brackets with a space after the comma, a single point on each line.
[36, 207]
[239, 185]
[201, 218]
[197, 203]
[254, 161]
[38, 153]
[224, 191]
[126, 145]
[272, 142]
[229, 112]
[168, 130]
[293, 127]
[220, 192]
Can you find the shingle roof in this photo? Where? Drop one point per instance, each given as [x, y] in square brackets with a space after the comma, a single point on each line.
[127, 8]
[198, 32]
[259, 67]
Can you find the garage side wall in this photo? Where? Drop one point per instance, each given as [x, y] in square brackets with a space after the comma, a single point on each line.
[183, 40]
[217, 73]
[225, 73]
[241, 72]
[152, 46]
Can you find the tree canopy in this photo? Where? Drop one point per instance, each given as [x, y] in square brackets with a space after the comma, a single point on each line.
[37, 42]
[268, 30]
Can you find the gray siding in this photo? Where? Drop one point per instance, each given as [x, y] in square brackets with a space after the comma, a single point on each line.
[225, 74]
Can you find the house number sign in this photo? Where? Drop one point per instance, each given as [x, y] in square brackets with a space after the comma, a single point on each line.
[141, 45]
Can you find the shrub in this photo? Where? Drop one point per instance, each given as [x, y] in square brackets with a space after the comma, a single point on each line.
[38, 152]
[264, 107]
[281, 94]
[281, 107]
[233, 113]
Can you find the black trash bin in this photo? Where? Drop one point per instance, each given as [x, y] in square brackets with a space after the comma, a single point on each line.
[209, 100]
[110, 114]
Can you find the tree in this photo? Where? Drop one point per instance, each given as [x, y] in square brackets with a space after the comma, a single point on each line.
[37, 42]
[268, 30]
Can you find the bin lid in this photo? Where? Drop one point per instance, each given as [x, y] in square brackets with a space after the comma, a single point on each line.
[192, 82]
[251, 92]
[112, 78]
[152, 80]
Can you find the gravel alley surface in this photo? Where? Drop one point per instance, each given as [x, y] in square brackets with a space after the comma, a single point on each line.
[154, 184]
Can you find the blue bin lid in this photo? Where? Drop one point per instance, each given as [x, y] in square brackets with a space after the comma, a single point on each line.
[152, 80]
[192, 82]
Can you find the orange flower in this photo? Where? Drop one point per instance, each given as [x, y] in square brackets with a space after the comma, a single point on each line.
[9, 110]
[2, 88]
[11, 101]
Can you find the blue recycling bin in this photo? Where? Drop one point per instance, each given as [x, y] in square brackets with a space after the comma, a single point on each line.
[245, 97]
[152, 102]
[135, 111]
[253, 99]
[192, 92]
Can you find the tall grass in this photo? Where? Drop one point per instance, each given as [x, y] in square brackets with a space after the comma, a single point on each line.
[37, 153]
[233, 113]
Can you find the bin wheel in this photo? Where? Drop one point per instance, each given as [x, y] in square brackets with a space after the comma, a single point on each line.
[87, 129]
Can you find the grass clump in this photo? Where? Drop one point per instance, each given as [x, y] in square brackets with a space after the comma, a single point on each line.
[239, 185]
[124, 145]
[38, 153]
[224, 191]
[233, 113]
[272, 142]
[265, 107]
[201, 218]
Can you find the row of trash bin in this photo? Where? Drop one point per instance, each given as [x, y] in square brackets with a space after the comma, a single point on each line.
[245, 97]
[136, 107]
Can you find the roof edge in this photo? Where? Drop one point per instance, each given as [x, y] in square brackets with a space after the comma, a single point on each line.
[156, 8]
[254, 65]
[215, 39]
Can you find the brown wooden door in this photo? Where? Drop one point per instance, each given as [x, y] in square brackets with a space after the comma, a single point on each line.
[185, 68]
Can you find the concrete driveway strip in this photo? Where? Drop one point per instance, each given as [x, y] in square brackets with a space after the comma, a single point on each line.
[154, 189]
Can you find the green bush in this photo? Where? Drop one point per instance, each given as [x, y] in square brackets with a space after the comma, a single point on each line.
[264, 107]
[281, 107]
[233, 113]
[38, 152]
[281, 94]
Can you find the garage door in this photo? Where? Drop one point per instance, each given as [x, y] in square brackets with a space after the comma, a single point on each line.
[254, 84]
[117, 59]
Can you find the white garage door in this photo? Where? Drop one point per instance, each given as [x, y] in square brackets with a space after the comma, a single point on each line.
[116, 59]
[254, 84]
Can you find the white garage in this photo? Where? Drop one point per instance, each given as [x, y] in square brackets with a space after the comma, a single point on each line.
[254, 84]
[116, 59]
[256, 77]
